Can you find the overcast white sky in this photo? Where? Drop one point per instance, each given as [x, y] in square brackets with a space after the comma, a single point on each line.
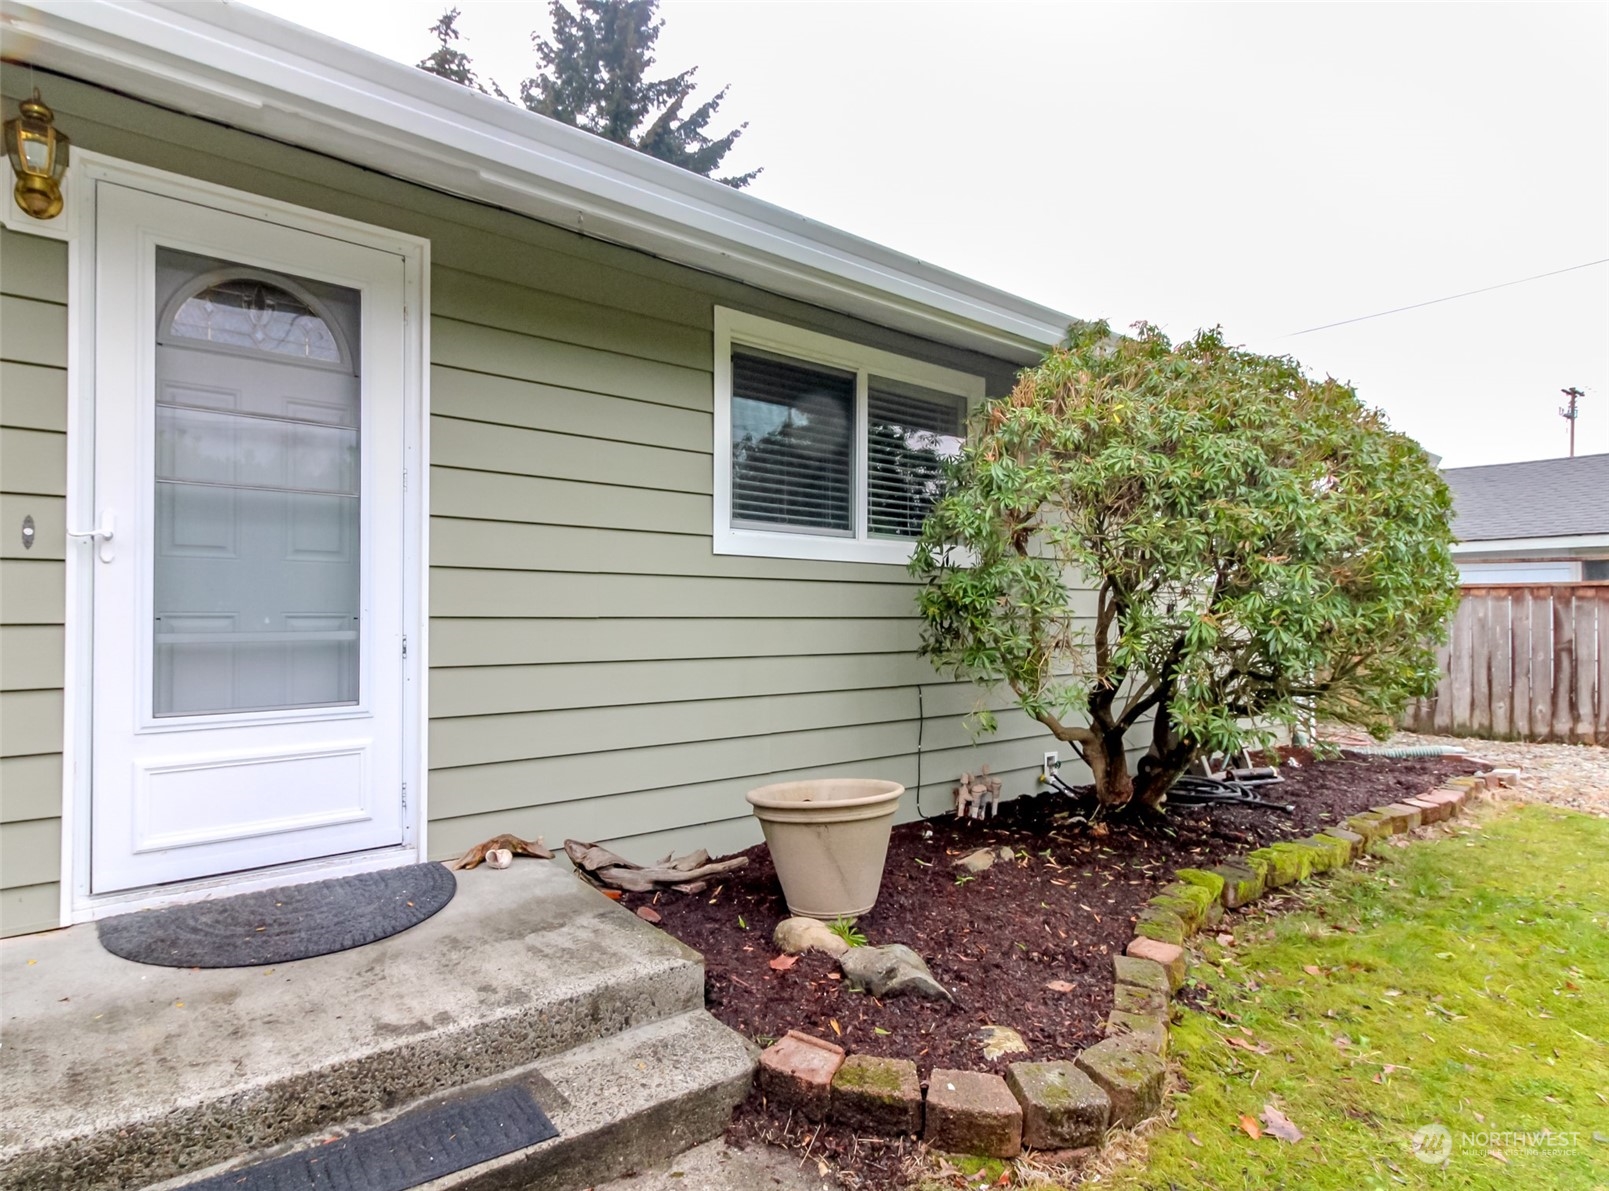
[1268, 167]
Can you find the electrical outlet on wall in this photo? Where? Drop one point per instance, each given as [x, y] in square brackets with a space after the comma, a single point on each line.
[1052, 764]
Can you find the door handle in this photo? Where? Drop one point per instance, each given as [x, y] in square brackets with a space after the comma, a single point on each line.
[104, 533]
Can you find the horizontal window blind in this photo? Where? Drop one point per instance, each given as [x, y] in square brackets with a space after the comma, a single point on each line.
[912, 431]
[792, 444]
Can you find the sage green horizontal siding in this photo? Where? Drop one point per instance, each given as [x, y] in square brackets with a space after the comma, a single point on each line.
[30, 852]
[50, 524]
[30, 908]
[598, 502]
[33, 481]
[515, 642]
[597, 670]
[30, 788]
[31, 657]
[483, 690]
[32, 396]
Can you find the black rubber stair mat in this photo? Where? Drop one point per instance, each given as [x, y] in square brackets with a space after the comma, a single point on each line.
[403, 1153]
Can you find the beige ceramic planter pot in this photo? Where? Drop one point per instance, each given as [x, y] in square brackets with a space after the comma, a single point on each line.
[828, 839]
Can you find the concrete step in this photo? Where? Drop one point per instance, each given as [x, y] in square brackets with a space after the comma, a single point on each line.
[118, 1074]
[620, 1105]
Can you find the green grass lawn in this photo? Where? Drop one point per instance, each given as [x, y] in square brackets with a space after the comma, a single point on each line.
[1460, 983]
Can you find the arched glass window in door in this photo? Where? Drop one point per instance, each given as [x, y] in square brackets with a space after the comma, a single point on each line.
[255, 315]
[257, 579]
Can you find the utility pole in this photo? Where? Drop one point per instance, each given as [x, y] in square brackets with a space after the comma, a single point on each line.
[1571, 412]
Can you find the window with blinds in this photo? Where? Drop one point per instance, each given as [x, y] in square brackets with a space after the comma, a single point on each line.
[793, 429]
[911, 432]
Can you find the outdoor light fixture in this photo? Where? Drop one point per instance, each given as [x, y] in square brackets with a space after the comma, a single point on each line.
[38, 157]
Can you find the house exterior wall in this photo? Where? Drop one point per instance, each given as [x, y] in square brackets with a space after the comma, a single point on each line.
[33, 480]
[596, 670]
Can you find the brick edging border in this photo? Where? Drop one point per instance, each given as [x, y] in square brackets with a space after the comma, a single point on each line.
[1118, 1082]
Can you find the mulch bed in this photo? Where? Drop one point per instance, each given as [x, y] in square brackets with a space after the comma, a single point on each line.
[1058, 912]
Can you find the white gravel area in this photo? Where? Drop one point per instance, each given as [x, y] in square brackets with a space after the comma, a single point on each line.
[1572, 775]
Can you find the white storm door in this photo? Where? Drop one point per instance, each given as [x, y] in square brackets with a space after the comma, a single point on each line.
[249, 614]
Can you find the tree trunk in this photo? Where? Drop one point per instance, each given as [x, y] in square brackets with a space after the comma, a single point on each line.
[1109, 766]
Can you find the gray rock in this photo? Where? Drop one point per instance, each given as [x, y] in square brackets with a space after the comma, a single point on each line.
[976, 862]
[1006, 852]
[891, 971]
[796, 935]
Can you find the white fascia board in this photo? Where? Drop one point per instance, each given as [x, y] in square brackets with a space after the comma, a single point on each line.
[250, 70]
[1571, 545]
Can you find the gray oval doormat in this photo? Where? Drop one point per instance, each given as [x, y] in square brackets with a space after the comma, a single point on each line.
[275, 926]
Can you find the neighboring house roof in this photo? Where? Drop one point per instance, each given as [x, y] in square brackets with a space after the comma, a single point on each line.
[1543, 498]
[250, 70]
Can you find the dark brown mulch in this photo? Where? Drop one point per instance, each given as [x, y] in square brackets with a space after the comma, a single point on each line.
[1058, 912]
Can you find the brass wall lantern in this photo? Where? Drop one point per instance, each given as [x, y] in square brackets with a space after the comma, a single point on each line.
[38, 155]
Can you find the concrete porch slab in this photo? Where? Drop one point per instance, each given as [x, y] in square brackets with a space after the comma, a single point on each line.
[122, 1074]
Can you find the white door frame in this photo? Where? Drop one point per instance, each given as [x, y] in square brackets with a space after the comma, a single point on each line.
[77, 903]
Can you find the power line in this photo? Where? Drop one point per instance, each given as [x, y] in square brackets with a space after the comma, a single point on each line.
[1485, 289]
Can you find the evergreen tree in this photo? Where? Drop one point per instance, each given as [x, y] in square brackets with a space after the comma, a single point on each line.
[450, 62]
[594, 75]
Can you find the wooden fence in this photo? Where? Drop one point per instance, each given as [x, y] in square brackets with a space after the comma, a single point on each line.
[1524, 663]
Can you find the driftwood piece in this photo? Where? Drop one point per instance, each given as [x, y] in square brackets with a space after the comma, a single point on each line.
[508, 843]
[683, 873]
[591, 857]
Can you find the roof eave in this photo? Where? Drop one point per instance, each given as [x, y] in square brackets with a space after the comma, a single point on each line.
[253, 71]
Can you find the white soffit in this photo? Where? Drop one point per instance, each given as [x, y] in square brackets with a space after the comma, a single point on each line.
[250, 70]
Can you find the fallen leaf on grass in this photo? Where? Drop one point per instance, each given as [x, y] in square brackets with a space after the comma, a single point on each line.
[1280, 1125]
[1250, 1125]
[648, 914]
[1256, 1048]
[783, 962]
[1498, 1154]
[1226, 940]
[1060, 986]
[1194, 1140]
[1312, 969]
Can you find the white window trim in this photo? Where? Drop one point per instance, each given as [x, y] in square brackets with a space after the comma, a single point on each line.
[733, 327]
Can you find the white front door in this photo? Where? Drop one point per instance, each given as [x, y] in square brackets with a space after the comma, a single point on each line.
[250, 439]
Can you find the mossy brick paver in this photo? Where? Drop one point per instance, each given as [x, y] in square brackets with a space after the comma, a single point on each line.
[1400, 816]
[1303, 855]
[1286, 864]
[1184, 910]
[1148, 1030]
[1130, 1075]
[878, 1095]
[1062, 1108]
[1329, 853]
[1195, 898]
[1353, 841]
[796, 1073]
[1141, 973]
[972, 1112]
[1258, 864]
[1162, 925]
[1371, 825]
[1139, 1000]
[1243, 884]
[1209, 879]
[1170, 957]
